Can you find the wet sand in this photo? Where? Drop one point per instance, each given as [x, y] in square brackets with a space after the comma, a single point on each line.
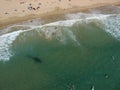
[13, 11]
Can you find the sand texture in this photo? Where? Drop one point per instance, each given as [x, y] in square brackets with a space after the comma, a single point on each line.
[13, 11]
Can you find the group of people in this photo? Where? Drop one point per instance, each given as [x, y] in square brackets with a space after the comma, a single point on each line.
[30, 7]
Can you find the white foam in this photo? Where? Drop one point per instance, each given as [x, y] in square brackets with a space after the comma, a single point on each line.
[59, 33]
[111, 22]
[72, 36]
[112, 26]
[85, 16]
[73, 18]
[5, 44]
[77, 18]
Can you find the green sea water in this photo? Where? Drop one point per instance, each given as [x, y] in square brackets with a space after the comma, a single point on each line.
[77, 57]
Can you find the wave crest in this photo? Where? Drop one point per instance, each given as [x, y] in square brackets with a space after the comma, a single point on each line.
[111, 25]
[5, 44]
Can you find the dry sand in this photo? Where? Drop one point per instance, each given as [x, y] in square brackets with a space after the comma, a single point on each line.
[13, 11]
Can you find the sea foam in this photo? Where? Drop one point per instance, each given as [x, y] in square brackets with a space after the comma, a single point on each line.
[5, 44]
[111, 22]
[111, 25]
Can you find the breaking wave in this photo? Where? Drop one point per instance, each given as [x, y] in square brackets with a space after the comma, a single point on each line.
[5, 44]
[60, 30]
[112, 26]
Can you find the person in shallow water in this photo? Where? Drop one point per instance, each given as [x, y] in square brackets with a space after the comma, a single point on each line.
[36, 59]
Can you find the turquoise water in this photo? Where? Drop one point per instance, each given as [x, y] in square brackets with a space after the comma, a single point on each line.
[71, 57]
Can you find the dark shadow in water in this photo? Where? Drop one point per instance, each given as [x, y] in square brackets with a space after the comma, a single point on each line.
[35, 59]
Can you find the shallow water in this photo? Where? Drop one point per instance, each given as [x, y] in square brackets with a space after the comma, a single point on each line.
[75, 54]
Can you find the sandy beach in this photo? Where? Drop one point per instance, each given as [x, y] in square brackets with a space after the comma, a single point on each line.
[13, 11]
[60, 45]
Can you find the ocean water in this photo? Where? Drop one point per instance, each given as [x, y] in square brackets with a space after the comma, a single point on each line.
[80, 52]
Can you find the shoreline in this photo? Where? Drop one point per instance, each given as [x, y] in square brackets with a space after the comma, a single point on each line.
[5, 21]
